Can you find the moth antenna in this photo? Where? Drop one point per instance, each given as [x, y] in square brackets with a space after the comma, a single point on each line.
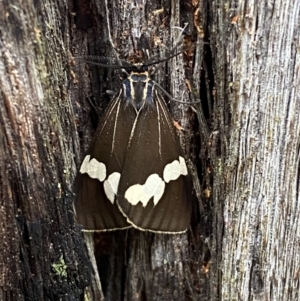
[91, 59]
[113, 63]
[174, 99]
[161, 61]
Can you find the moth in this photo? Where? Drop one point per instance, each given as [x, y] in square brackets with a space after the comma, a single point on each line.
[134, 174]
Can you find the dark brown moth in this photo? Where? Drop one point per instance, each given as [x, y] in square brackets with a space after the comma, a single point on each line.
[134, 173]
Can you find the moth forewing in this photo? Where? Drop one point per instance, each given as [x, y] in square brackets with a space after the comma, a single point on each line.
[96, 207]
[148, 199]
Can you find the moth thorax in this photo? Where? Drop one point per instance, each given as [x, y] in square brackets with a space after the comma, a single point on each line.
[138, 89]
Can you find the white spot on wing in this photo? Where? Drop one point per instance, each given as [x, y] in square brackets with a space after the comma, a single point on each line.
[153, 187]
[183, 168]
[95, 169]
[174, 170]
[111, 186]
[85, 164]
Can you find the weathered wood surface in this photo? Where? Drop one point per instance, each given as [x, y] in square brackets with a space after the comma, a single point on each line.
[256, 44]
[42, 254]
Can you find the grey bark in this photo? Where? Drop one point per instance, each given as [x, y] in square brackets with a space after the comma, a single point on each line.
[256, 44]
[42, 254]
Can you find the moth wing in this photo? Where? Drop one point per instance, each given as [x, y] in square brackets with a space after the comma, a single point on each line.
[97, 184]
[145, 197]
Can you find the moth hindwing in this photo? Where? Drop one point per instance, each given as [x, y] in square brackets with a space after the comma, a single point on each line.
[134, 174]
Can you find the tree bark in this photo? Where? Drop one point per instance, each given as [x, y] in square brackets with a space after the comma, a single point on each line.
[256, 51]
[42, 254]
